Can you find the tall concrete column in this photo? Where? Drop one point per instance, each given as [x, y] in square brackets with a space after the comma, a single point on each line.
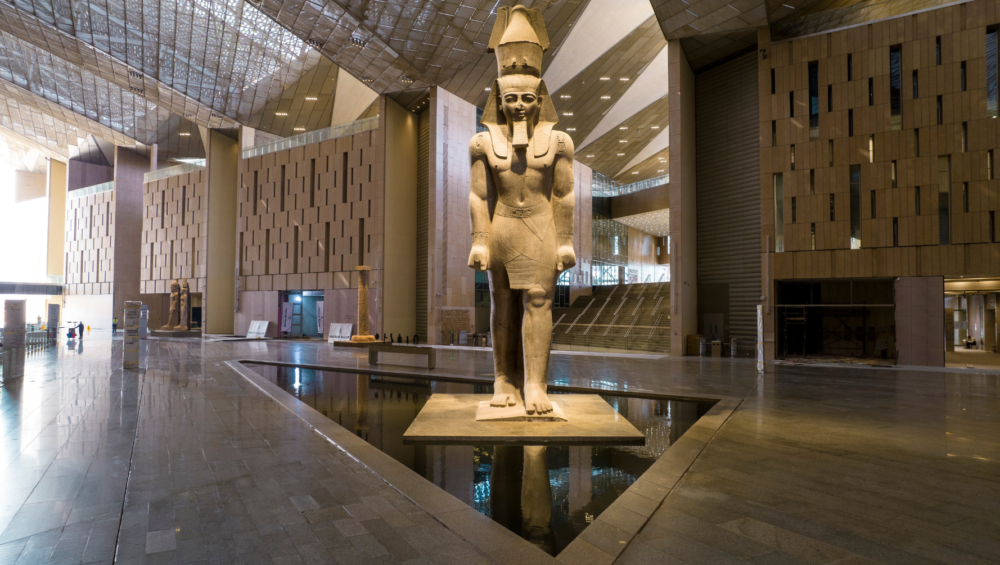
[219, 299]
[129, 170]
[56, 185]
[683, 220]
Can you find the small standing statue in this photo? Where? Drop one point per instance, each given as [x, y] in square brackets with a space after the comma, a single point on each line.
[173, 318]
[521, 204]
[185, 310]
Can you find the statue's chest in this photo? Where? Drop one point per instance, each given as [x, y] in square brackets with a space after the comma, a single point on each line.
[521, 166]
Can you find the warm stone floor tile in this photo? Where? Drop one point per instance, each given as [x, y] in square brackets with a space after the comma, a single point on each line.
[186, 462]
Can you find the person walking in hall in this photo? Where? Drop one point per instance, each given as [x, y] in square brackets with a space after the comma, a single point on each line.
[79, 330]
[114, 326]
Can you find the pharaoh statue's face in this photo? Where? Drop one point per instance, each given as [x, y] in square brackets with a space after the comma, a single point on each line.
[520, 106]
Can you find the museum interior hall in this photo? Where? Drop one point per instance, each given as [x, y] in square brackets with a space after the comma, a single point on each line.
[499, 281]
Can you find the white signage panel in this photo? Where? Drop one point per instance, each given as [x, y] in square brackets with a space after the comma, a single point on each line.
[339, 332]
[133, 313]
[258, 329]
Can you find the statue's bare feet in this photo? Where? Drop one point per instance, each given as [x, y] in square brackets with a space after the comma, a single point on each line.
[504, 393]
[535, 399]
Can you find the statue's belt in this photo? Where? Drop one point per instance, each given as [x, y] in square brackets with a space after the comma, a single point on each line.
[512, 212]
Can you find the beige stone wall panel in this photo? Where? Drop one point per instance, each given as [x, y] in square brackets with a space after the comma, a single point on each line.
[918, 254]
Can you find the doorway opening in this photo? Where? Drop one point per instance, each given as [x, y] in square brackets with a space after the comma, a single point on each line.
[301, 313]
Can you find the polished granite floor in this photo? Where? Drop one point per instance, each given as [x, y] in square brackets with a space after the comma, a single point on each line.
[186, 462]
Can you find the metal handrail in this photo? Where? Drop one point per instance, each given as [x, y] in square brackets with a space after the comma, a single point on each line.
[557, 322]
[580, 315]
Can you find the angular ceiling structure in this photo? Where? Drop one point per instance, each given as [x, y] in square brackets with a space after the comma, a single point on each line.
[139, 72]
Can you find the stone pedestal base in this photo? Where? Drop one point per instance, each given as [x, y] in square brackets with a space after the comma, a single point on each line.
[363, 338]
[450, 419]
[174, 333]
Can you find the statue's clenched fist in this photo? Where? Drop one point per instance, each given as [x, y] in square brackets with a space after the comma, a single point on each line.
[565, 258]
[479, 257]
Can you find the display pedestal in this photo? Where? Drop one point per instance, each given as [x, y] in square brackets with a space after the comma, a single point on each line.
[174, 333]
[450, 419]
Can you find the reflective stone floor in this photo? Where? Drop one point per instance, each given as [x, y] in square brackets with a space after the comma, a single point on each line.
[187, 463]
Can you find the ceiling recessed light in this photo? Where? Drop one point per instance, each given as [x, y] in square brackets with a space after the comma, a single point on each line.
[567, 113]
[659, 170]
[281, 113]
[621, 141]
[635, 172]
[589, 156]
[605, 78]
[624, 79]
[487, 89]
[311, 98]
[185, 135]
[565, 96]
[299, 129]
[605, 98]
[570, 129]
[654, 127]
[621, 154]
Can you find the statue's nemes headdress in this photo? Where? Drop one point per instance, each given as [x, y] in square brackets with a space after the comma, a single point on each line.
[519, 39]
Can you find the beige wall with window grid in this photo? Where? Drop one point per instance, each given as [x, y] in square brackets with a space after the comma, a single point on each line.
[967, 133]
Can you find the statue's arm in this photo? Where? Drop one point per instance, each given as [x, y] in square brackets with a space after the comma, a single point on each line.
[479, 257]
[563, 201]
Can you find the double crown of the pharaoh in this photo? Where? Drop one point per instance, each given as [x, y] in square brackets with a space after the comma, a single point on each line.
[519, 39]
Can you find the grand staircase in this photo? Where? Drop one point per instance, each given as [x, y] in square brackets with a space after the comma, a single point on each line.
[633, 317]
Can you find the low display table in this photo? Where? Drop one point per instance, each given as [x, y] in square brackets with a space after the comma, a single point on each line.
[375, 348]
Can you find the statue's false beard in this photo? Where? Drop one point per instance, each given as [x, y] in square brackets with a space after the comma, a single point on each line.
[520, 135]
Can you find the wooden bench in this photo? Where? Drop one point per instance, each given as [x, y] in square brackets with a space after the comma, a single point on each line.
[375, 348]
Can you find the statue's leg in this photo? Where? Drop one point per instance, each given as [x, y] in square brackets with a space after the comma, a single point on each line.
[503, 323]
[537, 331]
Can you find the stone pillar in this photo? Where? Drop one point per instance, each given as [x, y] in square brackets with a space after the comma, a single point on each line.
[56, 248]
[219, 295]
[133, 311]
[683, 220]
[362, 334]
[130, 168]
[13, 339]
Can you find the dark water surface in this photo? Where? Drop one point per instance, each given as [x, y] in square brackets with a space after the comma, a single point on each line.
[547, 495]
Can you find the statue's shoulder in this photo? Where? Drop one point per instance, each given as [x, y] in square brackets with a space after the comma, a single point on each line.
[563, 143]
[479, 144]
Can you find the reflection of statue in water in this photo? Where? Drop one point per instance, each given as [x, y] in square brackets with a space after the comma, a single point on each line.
[536, 499]
[521, 204]
[173, 318]
[185, 310]
[524, 471]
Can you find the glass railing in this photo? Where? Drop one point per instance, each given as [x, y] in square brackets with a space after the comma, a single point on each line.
[168, 172]
[603, 186]
[95, 189]
[311, 137]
